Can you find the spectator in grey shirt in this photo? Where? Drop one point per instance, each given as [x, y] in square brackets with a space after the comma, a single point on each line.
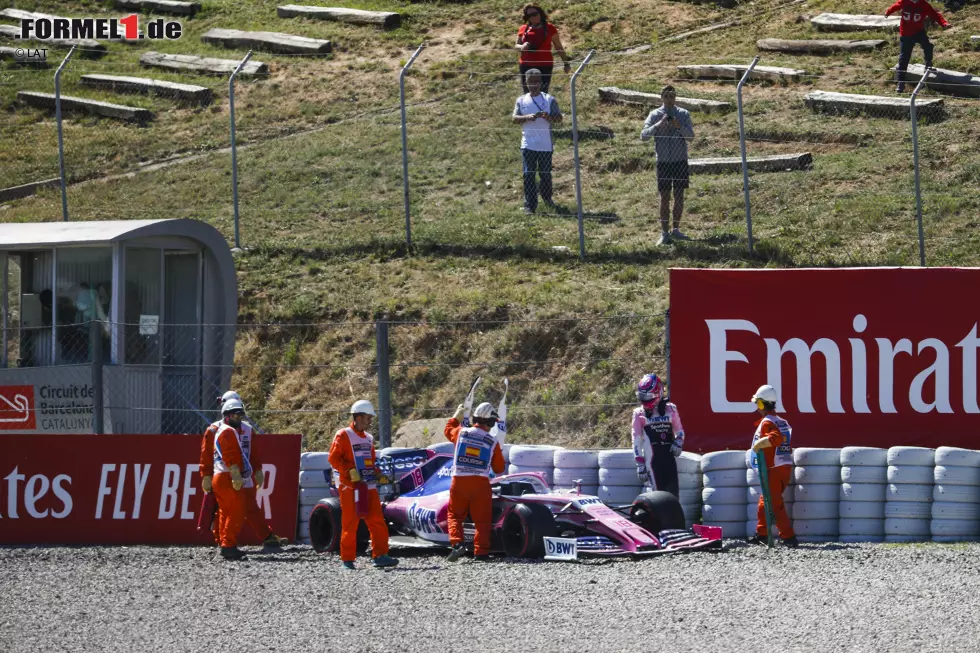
[671, 129]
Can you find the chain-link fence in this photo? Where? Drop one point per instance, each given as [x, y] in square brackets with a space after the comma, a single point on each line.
[829, 154]
[569, 379]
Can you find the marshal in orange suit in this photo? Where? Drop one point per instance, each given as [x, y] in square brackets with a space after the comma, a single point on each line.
[352, 456]
[476, 453]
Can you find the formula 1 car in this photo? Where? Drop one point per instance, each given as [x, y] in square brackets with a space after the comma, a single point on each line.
[525, 511]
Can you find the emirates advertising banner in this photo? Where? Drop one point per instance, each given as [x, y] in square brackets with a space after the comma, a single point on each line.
[127, 489]
[859, 357]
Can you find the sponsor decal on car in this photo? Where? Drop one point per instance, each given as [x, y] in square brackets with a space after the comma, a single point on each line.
[423, 520]
[560, 548]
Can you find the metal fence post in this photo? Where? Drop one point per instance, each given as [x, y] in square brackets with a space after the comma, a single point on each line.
[401, 93]
[98, 402]
[578, 167]
[384, 384]
[667, 348]
[915, 164]
[61, 138]
[745, 164]
[234, 147]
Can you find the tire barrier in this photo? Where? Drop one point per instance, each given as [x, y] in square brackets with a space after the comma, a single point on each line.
[956, 496]
[442, 447]
[690, 484]
[533, 458]
[863, 475]
[908, 495]
[853, 494]
[724, 494]
[816, 499]
[576, 468]
[619, 483]
[315, 479]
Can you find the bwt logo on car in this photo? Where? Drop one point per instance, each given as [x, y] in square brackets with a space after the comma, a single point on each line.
[560, 547]
[128, 28]
[423, 520]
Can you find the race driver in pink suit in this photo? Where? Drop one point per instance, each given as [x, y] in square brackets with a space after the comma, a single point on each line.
[656, 421]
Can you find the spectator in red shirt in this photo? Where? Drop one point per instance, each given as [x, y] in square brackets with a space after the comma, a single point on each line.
[535, 39]
[912, 30]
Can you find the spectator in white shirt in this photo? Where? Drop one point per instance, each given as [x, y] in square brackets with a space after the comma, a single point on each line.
[536, 112]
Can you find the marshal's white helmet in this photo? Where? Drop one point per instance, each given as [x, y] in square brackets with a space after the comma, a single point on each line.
[362, 406]
[231, 406]
[766, 393]
[485, 411]
[231, 394]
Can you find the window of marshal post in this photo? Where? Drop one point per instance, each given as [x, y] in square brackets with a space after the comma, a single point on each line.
[143, 301]
[84, 295]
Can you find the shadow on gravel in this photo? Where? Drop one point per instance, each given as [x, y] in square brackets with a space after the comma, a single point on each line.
[830, 546]
[274, 557]
[804, 546]
[401, 569]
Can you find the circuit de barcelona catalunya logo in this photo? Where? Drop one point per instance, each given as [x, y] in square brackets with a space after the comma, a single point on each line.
[42, 27]
[17, 408]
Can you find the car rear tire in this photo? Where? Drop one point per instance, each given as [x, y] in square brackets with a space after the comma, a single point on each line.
[657, 511]
[524, 530]
[325, 526]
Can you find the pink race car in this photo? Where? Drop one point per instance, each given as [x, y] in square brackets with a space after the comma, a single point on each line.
[525, 511]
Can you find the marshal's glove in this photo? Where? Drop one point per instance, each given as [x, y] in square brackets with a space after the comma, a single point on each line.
[236, 478]
[259, 478]
[458, 415]
[206, 484]
[760, 444]
[355, 476]
[643, 474]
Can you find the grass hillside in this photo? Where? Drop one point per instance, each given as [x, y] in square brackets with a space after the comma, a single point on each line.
[321, 193]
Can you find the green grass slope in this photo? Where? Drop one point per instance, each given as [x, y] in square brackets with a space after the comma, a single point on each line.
[321, 194]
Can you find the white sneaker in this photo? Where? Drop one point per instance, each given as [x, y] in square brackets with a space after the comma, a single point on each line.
[679, 235]
[664, 239]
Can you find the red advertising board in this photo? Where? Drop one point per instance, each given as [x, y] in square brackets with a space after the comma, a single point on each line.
[127, 489]
[863, 356]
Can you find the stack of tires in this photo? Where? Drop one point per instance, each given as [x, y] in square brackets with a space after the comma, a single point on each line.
[956, 496]
[863, 476]
[816, 498]
[724, 494]
[754, 492]
[577, 466]
[908, 498]
[690, 484]
[314, 484]
[533, 458]
[619, 483]
[442, 447]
